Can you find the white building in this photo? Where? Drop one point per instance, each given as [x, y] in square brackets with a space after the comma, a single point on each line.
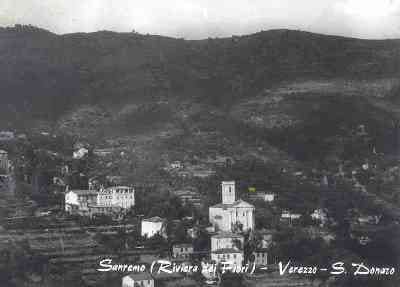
[231, 214]
[289, 216]
[111, 201]
[226, 240]
[138, 280]
[320, 216]
[262, 195]
[152, 226]
[80, 201]
[117, 196]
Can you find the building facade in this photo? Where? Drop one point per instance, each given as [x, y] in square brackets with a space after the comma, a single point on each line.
[152, 226]
[231, 215]
[224, 240]
[290, 217]
[110, 201]
[80, 201]
[117, 196]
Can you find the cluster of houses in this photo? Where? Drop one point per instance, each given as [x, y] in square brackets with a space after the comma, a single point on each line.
[229, 221]
[112, 200]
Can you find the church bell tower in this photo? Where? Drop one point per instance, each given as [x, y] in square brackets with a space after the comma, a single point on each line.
[228, 192]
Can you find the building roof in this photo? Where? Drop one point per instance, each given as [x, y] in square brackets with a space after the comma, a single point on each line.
[228, 182]
[110, 189]
[154, 219]
[227, 235]
[84, 192]
[121, 187]
[238, 203]
[227, 250]
[140, 276]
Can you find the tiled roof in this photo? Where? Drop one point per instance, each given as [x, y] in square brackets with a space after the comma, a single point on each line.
[237, 203]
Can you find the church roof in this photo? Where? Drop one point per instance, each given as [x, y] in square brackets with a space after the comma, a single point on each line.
[238, 203]
[154, 219]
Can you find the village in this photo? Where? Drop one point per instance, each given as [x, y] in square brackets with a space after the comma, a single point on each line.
[85, 221]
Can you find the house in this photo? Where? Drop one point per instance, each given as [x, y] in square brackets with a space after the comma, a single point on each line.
[110, 201]
[290, 217]
[260, 256]
[138, 280]
[223, 240]
[118, 196]
[4, 162]
[231, 255]
[152, 226]
[262, 195]
[231, 215]
[189, 196]
[80, 201]
[182, 250]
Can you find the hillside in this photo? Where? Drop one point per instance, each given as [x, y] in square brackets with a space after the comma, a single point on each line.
[294, 90]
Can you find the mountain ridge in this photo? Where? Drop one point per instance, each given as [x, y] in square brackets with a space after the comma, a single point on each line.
[48, 78]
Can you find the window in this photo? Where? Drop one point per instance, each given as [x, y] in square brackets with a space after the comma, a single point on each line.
[234, 256]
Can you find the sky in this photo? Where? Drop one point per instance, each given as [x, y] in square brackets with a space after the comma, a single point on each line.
[198, 19]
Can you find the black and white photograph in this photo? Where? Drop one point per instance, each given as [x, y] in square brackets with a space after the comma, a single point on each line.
[200, 143]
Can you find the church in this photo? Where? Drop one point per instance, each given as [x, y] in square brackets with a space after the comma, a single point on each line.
[231, 215]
